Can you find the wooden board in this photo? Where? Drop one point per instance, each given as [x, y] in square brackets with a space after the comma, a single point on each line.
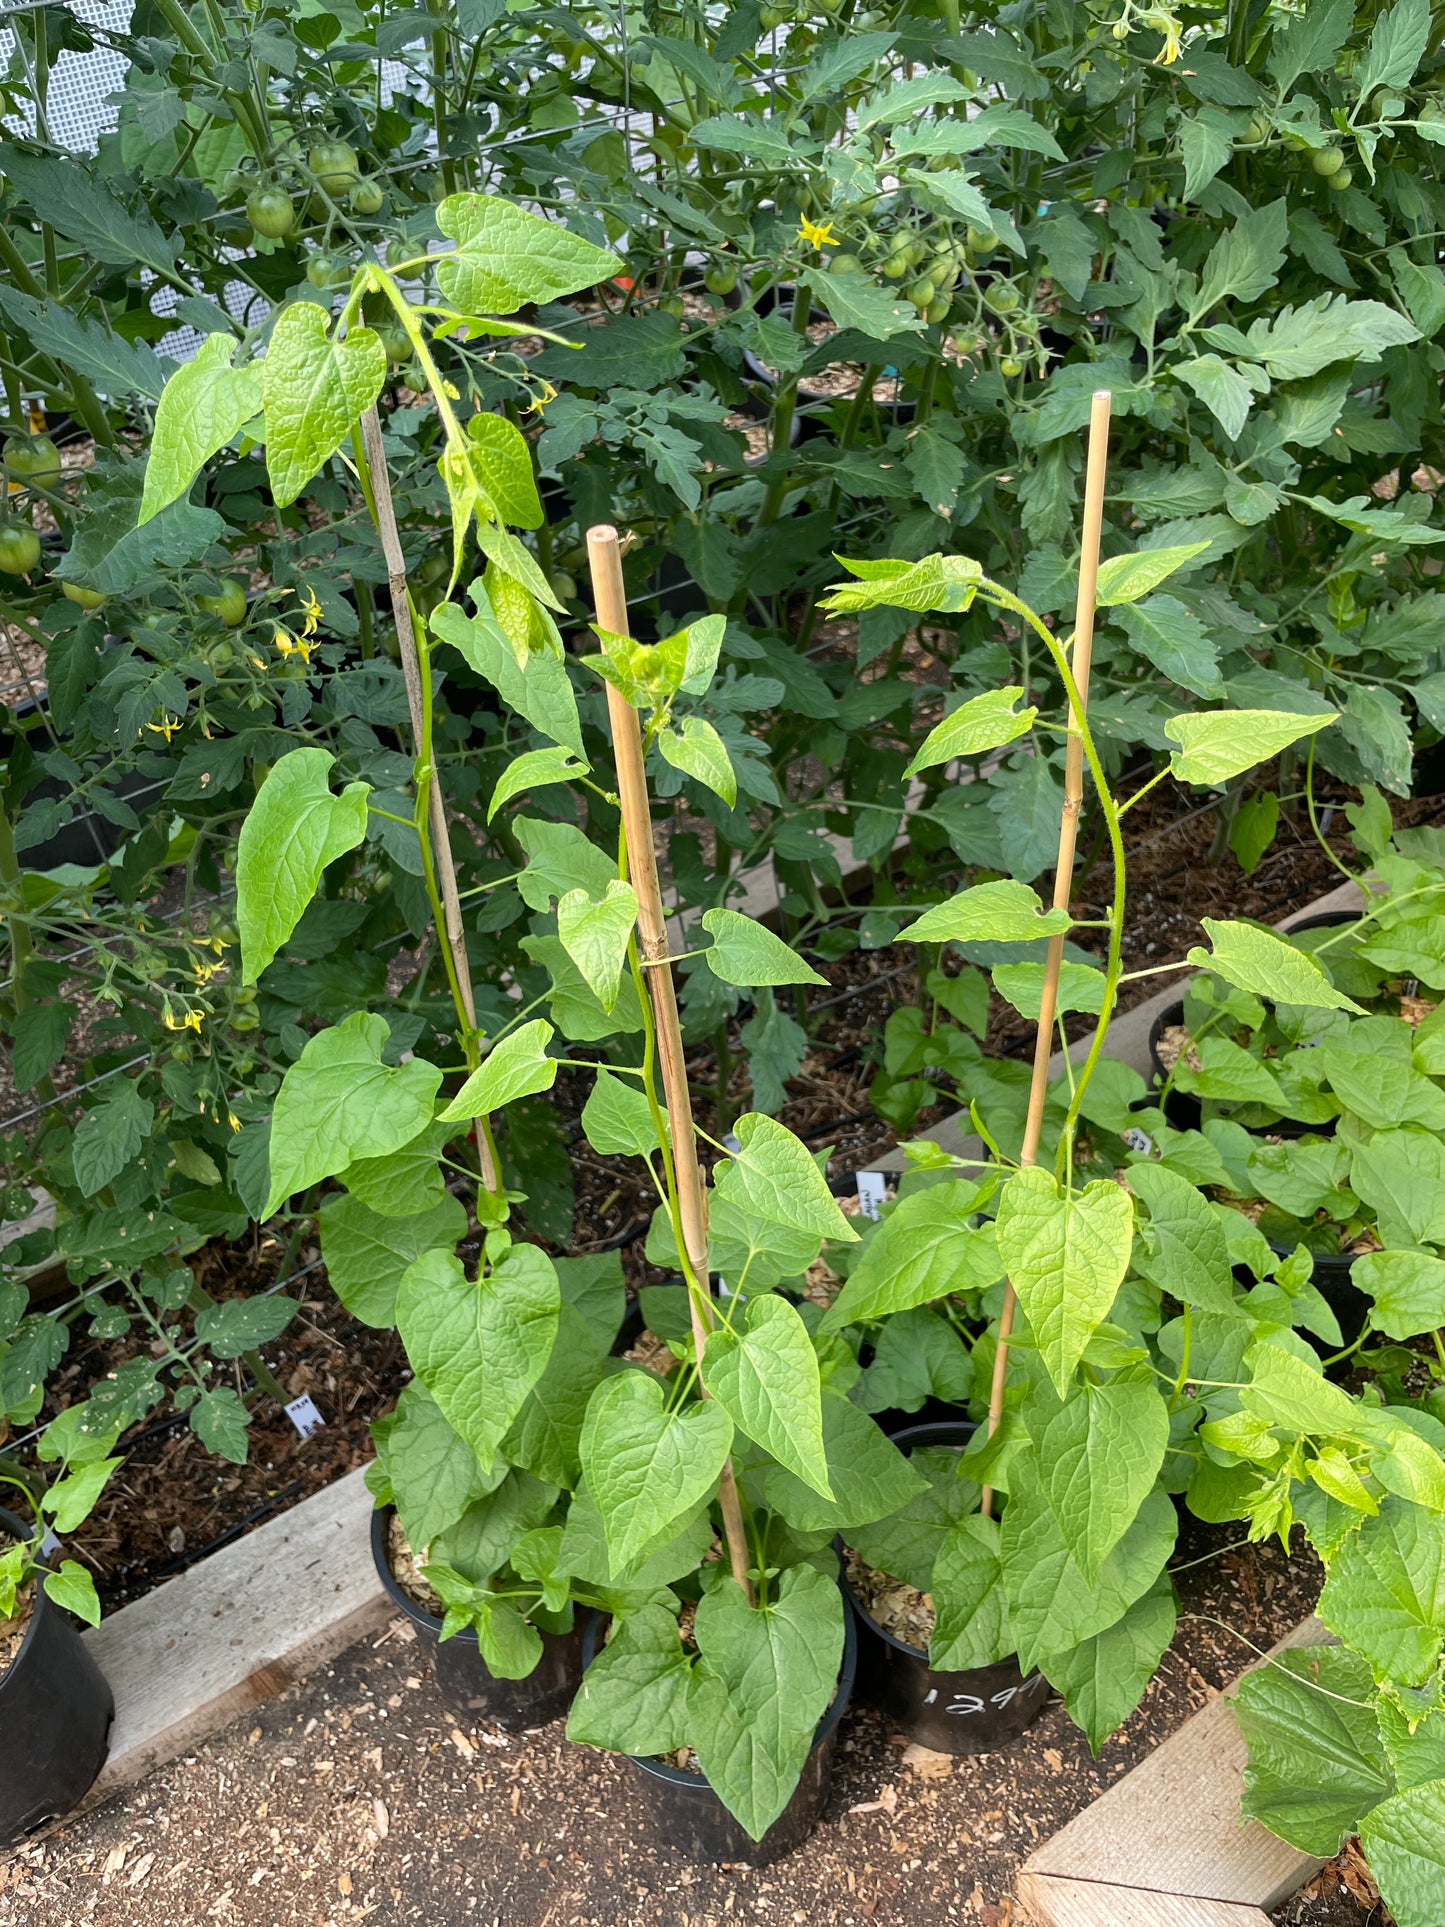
[1092, 1903]
[237, 1628]
[1172, 1825]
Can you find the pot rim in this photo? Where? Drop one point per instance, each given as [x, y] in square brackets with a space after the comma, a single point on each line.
[14, 1527]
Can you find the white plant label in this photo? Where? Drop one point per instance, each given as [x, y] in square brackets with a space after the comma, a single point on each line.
[872, 1192]
[304, 1416]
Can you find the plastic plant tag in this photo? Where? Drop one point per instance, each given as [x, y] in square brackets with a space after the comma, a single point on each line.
[304, 1416]
[872, 1192]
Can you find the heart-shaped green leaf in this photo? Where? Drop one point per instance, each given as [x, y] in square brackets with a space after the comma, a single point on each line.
[646, 1466]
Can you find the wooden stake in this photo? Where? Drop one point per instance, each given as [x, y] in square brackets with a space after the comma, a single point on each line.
[604, 554]
[454, 935]
[1080, 662]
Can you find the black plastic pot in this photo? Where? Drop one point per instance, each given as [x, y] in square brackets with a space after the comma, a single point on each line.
[462, 1675]
[968, 1712]
[55, 1713]
[681, 1811]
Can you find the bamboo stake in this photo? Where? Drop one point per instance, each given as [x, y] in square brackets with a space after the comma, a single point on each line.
[454, 933]
[604, 554]
[1080, 662]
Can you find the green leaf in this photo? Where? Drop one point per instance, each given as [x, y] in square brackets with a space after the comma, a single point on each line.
[1244, 263]
[339, 1102]
[1176, 642]
[83, 208]
[505, 463]
[1253, 829]
[479, 1348]
[646, 1467]
[1004, 912]
[316, 388]
[367, 1254]
[237, 1325]
[1397, 43]
[219, 1420]
[506, 257]
[1404, 1838]
[114, 365]
[971, 1625]
[1401, 1176]
[856, 301]
[1385, 1595]
[1316, 1762]
[69, 1502]
[1126, 578]
[868, 1472]
[1204, 141]
[547, 1431]
[906, 1541]
[944, 582]
[1080, 987]
[534, 769]
[560, 858]
[774, 1176]
[1408, 1288]
[72, 1588]
[633, 1697]
[205, 402]
[485, 1537]
[109, 1136]
[746, 952]
[758, 140]
[618, 1118]
[406, 1181]
[539, 691]
[766, 1380]
[923, 1250]
[1065, 1255]
[1103, 1678]
[1226, 393]
[513, 1068]
[110, 553]
[1099, 1456]
[595, 933]
[766, 1677]
[984, 722]
[433, 1472]
[1309, 42]
[697, 750]
[1258, 961]
[294, 829]
[1291, 1393]
[1052, 1606]
[1220, 743]
[1185, 1252]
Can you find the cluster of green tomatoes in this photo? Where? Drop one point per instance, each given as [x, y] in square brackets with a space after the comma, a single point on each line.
[335, 168]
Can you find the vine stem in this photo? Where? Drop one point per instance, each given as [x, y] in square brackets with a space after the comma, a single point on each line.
[1080, 664]
[441, 871]
[604, 554]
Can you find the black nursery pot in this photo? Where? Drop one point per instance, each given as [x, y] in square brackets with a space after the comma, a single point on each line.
[55, 1713]
[969, 1712]
[462, 1675]
[681, 1811]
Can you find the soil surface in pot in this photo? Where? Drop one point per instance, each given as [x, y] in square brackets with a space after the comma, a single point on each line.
[13, 1629]
[1342, 1894]
[407, 1573]
[357, 1794]
[898, 1608]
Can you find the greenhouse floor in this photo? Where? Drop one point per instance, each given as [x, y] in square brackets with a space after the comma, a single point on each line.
[356, 1795]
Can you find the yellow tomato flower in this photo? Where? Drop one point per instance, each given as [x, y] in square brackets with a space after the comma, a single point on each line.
[815, 236]
[167, 726]
[539, 402]
[190, 1020]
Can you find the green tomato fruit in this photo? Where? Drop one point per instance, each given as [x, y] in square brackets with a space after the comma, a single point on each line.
[367, 196]
[86, 598]
[396, 341]
[896, 266]
[914, 251]
[774, 17]
[980, 240]
[1002, 297]
[270, 212]
[326, 271]
[1339, 180]
[36, 460]
[1258, 130]
[938, 309]
[19, 548]
[672, 304]
[845, 264]
[335, 166]
[1010, 365]
[1327, 160]
[230, 605]
[921, 292]
[564, 585]
[722, 279]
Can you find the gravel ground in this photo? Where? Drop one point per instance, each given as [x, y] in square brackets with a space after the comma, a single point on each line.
[357, 1795]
